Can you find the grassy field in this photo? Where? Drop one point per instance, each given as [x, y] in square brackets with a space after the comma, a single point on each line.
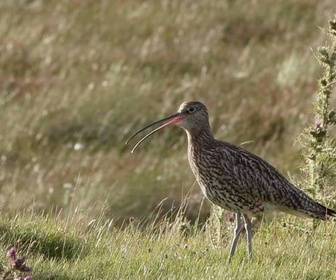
[74, 249]
[77, 77]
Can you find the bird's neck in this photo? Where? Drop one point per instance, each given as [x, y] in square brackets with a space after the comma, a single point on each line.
[199, 138]
[200, 143]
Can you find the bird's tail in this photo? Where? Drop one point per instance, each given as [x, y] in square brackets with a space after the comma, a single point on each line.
[327, 212]
[302, 205]
[318, 211]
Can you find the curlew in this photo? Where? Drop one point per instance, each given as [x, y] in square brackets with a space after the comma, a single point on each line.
[233, 178]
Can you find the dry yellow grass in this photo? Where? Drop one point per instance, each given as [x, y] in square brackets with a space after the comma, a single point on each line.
[78, 76]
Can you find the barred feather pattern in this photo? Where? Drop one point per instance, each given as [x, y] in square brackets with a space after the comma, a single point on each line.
[239, 181]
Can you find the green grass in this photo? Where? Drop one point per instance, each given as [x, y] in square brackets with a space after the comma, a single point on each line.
[100, 251]
[78, 77]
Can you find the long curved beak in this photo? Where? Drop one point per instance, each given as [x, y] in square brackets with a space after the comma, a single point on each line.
[172, 119]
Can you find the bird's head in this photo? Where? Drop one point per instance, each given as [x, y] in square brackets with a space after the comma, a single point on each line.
[191, 116]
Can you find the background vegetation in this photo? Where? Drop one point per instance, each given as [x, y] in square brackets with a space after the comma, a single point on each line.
[77, 77]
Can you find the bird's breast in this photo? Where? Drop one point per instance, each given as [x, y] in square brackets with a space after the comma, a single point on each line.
[220, 184]
[209, 178]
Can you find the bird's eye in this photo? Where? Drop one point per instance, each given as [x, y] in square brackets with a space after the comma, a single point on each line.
[190, 110]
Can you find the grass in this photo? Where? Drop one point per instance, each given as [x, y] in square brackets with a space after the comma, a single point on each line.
[100, 251]
[77, 77]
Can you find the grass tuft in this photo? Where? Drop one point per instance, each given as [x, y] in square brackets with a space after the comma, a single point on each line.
[52, 240]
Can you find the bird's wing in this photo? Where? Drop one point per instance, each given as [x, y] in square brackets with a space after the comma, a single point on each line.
[260, 182]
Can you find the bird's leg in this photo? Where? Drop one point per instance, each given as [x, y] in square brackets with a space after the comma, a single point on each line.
[248, 228]
[236, 233]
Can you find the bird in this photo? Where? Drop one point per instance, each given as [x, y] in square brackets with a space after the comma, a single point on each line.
[233, 178]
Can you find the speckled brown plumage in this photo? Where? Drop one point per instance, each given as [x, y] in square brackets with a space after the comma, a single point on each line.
[234, 178]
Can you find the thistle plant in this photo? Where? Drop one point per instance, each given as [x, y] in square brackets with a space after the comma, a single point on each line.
[319, 146]
[16, 269]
